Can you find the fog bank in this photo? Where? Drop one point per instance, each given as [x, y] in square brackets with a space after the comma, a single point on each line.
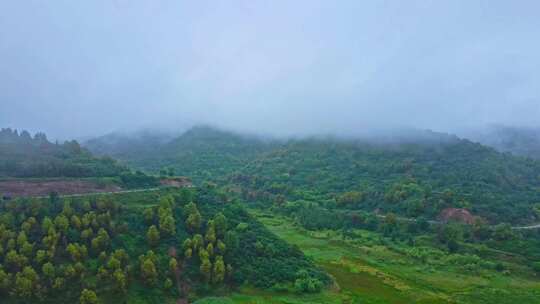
[77, 69]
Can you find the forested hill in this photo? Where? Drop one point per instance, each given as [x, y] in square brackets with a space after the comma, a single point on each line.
[416, 174]
[202, 153]
[409, 179]
[24, 155]
[119, 144]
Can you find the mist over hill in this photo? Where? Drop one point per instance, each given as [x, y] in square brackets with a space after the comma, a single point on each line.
[270, 152]
[520, 141]
[24, 155]
[256, 67]
[496, 186]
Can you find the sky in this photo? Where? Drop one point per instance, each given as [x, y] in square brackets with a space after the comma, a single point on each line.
[86, 68]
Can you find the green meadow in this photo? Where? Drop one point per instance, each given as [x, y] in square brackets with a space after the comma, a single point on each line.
[366, 271]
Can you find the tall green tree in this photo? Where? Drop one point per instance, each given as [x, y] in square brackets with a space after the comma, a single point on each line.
[220, 224]
[206, 269]
[194, 218]
[152, 236]
[218, 273]
[88, 297]
[149, 272]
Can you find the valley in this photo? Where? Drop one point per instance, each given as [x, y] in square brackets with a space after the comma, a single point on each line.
[373, 270]
[269, 152]
[309, 221]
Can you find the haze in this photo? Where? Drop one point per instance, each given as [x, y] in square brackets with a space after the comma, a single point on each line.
[81, 68]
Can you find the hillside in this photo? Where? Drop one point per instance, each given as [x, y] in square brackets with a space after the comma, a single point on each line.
[22, 155]
[308, 220]
[407, 179]
[414, 174]
[169, 246]
[35, 166]
[202, 153]
[123, 144]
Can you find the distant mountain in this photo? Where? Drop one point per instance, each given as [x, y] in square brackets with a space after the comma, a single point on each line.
[416, 173]
[202, 153]
[123, 144]
[24, 155]
[516, 140]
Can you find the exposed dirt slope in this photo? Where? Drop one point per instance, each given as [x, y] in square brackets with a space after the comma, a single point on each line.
[17, 188]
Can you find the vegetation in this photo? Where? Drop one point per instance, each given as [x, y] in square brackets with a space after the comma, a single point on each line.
[424, 219]
[414, 180]
[24, 156]
[181, 244]
[202, 153]
[416, 175]
[370, 267]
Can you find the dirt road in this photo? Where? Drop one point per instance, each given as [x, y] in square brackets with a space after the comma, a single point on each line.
[18, 188]
[106, 193]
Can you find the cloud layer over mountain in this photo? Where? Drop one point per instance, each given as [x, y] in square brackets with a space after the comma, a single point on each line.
[75, 68]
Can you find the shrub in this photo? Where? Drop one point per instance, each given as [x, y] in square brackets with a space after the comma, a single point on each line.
[306, 283]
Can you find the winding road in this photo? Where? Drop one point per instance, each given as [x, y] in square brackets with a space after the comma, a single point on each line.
[535, 226]
[105, 193]
[432, 222]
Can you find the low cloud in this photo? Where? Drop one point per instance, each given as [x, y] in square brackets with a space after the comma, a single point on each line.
[76, 69]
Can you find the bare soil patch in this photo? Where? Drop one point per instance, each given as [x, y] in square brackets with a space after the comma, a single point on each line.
[456, 214]
[18, 188]
[178, 182]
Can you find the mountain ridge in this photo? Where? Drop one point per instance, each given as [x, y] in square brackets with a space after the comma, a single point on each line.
[489, 182]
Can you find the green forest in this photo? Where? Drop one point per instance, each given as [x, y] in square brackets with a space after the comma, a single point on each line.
[422, 219]
[142, 248]
[270, 152]
[418, 175]
[26, 156]
[23, 155]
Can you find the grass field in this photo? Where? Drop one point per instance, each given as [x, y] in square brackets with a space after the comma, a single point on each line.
[368, 268]
[366, 271]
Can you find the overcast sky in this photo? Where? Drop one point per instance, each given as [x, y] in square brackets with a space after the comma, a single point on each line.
[79, 68]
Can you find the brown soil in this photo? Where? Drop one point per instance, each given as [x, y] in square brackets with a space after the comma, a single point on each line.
[17, 188]
[179, 182]
[456, 214]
